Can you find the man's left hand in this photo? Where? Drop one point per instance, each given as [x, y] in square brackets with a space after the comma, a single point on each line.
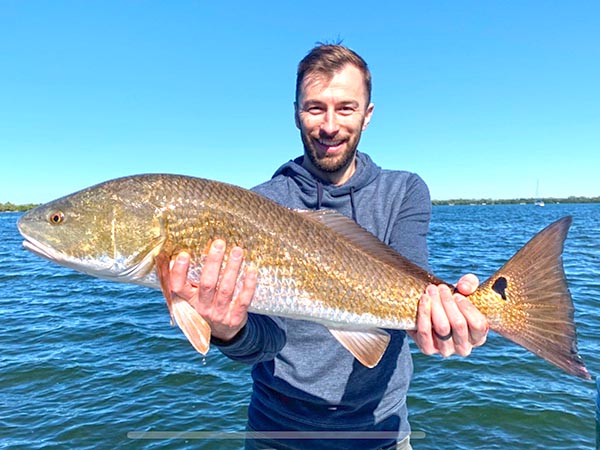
[447, 322]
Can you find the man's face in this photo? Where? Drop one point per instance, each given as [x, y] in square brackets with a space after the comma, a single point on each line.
[331, 115]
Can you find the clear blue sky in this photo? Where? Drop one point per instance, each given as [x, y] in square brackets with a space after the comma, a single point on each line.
[480, 98]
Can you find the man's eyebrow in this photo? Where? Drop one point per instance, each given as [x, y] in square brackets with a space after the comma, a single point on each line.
[349, 103]
[311, 102]
[316, 102]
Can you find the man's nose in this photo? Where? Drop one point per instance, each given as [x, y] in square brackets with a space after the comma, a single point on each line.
[330, 124]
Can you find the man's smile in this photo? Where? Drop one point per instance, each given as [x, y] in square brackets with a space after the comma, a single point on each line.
[330, 145]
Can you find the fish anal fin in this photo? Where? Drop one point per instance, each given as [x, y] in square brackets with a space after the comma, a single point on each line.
[368, 346]
[195, 328]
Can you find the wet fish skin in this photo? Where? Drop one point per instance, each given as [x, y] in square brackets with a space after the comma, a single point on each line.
[316, 265]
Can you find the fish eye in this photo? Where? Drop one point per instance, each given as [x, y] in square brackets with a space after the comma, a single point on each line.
[56, 217]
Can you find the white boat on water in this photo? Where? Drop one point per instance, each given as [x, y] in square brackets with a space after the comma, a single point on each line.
[538, 200]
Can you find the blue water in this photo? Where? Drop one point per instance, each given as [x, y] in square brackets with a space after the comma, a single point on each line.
[86, 363]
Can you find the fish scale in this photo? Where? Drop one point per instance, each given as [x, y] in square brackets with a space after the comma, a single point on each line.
[318, 265]
[315, 277]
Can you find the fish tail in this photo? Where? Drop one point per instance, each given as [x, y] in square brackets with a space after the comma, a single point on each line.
[532, 305]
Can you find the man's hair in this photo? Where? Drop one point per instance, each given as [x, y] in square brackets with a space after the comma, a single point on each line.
[326, 60]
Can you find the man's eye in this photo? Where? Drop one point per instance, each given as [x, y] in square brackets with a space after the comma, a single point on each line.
[346, 110]
[315, 110]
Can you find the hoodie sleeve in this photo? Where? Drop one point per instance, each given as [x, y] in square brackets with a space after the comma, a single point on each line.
[260, 340]
[411, 225]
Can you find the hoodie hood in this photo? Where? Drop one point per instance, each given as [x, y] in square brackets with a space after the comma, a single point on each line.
[366, 172]
[314, 193]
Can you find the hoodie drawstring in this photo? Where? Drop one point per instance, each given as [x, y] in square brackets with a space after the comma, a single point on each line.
[352, 204]
[352, 200]
[319, 194]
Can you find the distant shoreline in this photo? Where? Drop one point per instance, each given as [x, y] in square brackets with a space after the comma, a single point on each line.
[10, 207]
[515, 201]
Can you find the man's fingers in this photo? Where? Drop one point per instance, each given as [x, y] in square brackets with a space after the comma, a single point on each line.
[249, 286]
[178, 273]
[448, 322]
[457, 321]
[239, 309]
[422, 335]
[209, 279]
[226, 289]
[441, 302]
[467, 284]
[477, 323]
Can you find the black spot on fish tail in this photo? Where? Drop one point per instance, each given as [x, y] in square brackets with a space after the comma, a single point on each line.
[499, 287]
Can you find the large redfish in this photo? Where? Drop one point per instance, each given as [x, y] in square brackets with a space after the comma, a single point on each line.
[317, 266]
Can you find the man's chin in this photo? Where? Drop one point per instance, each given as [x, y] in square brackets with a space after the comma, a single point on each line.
[332, 162]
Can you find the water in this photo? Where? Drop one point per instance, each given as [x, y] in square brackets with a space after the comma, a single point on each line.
[86, 363]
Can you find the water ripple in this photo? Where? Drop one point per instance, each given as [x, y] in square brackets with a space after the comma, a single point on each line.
[85, 361]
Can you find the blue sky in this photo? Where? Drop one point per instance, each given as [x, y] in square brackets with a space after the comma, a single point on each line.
[480, 98]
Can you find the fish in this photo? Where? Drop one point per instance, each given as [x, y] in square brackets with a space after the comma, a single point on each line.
[318, 265]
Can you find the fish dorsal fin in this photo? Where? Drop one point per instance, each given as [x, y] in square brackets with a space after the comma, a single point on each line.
[365, 241]
[368, 346]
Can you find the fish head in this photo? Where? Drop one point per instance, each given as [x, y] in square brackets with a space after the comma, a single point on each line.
[105, 231]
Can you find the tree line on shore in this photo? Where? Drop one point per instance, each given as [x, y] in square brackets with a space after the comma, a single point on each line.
[516, 201]
[11, 207]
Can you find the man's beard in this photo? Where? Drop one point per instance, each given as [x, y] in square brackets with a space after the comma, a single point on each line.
[329, 164]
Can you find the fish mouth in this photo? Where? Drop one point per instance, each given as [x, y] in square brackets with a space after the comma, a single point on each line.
[110, 270]
[51, 254]
[45, 251]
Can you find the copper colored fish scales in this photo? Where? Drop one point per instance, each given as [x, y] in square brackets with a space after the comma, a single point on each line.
[316, 265]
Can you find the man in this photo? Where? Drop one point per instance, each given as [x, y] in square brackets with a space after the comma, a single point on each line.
[304, 380]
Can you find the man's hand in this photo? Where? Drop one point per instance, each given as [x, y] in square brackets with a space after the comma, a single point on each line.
[448, 323]
[215, 296]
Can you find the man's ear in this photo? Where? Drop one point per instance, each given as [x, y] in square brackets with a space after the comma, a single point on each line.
[368, 116]
[296, 115]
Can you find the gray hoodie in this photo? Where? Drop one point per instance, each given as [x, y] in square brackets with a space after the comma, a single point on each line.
[304, 379]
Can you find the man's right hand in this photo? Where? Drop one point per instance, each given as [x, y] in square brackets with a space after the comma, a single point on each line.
[214, 297]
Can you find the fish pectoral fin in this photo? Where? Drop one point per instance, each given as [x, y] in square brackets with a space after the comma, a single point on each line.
[195, 328]
[368, 346]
